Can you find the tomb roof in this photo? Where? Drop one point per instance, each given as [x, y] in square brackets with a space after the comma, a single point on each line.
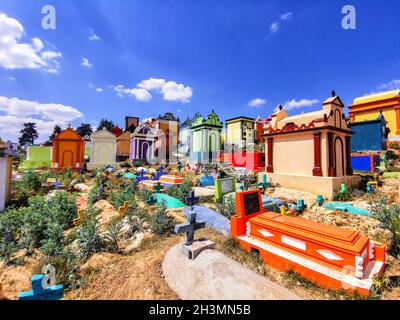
[377, 97]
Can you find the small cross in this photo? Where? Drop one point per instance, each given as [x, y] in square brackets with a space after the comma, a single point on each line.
[216, 168]
[191, 200]
[38, 292]
[56, 184]
[160, 168]
[158, 187]
[141, 173]
[189, 228]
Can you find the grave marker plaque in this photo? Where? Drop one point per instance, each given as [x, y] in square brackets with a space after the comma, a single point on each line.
[224, 186]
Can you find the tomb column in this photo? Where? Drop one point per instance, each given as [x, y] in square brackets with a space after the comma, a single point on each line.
[270, 167]
[349, 169]
[351, 117]
[317, 171]
[331, 170]
[397, 110]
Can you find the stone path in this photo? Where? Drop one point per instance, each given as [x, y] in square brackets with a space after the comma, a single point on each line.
[212, 275]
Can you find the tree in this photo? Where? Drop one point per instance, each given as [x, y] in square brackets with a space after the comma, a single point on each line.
[84, 130]
[105, 124]
[57, 130]
[28, 134]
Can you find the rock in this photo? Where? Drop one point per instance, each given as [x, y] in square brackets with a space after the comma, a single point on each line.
[358, 193]
[82, 187]
[212, 275]
[135, 243]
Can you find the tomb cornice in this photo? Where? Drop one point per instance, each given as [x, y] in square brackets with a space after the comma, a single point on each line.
[304, 128]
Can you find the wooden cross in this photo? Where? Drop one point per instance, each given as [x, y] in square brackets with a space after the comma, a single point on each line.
[189, 227]
[81, 216]
[158, 187]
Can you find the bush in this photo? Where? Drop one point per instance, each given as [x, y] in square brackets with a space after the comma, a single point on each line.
[31, 181]
[145, 194]
[111, 236]
[64, 208]
[228, 208]
[89, 239]
[181, 191]
[343, 196]
[161, 222]
[53, 242]
[389, 216]
[118, 198]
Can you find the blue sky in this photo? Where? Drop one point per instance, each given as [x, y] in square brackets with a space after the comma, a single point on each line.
[112, 58]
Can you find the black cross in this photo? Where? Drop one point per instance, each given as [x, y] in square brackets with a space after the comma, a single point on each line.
[191, 199]
[189, 228]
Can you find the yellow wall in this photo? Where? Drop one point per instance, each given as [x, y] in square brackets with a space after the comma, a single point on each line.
[233, 133]
[389, 114]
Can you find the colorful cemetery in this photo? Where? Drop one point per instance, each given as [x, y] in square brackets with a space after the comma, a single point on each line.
[205, 139]
[5, 174]
[37, 157]
[369, 107]
[310, 151]
[68, 150]
[184, 143]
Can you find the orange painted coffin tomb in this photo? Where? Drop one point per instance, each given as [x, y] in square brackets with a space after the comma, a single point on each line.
[68, 150]
[330, 256]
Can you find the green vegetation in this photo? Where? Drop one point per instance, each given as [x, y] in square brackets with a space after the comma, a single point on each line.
[228, 207]
[389, 216]
[89, 238]
[161, 222]
[181, 191]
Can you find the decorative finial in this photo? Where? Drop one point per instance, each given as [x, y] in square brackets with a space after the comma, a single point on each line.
[333, 93]
[280, 107]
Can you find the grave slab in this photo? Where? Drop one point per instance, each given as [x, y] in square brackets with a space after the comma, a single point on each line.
[213, 275]
[212, 218]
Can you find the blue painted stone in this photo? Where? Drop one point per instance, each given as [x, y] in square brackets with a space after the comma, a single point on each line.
[206, 181]
[39, 293]
[346, 207]
[130, 176]
[212, 218]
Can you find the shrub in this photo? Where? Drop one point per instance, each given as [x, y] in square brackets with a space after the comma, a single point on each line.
[111, 236]
[389, 216]
[144, 194]
[343, 196]
[63, 207]
[161, 222]
[118, 198]
[53, 242]
[181, 191]
[89, 239]
[228, 208]
[31, 181]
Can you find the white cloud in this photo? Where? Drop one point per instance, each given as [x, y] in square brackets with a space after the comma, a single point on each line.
[12, 78]
[14, 112]
[15, 54]
[170, 90]
[91, 85]
[138, 93]
[85, 63]
[394, 84]
[256, 102]
[295, 104]
[286, 16]
[274, 27]
[93, 36]
[99, 89]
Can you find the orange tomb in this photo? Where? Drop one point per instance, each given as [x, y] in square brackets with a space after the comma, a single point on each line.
[68, 150]
[329, 256]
